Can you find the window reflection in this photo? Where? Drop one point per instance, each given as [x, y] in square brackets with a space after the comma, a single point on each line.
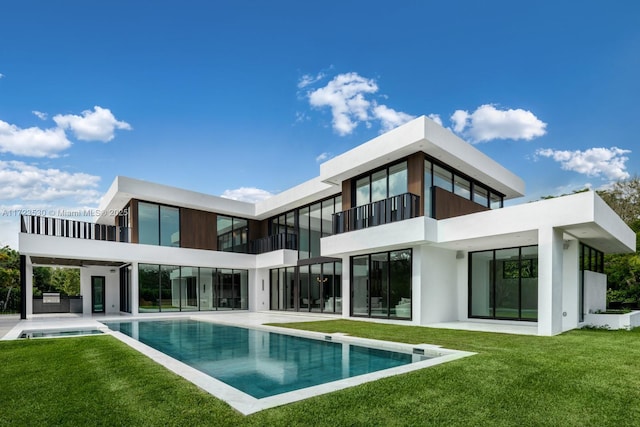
[314, 287]
[233, 234]
[158, 224]
[504, 283]
[381, 285]
[382, 184]
[440, 176]
[168, 288]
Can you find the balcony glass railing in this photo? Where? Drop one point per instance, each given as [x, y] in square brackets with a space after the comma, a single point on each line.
[60, 227]
[397, 208]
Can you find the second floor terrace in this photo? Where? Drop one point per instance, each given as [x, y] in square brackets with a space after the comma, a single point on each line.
[73, 229]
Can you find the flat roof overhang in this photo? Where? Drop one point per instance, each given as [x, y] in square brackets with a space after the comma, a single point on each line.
[73, 262]
[123, 189]
[583, 216]
[422, 134]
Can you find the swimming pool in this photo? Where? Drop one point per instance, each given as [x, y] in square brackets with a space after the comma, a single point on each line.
[254, 369]
[260, 363]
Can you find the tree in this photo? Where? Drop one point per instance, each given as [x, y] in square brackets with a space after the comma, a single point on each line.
[623, 270]
[9, 279]
[41, 280]
[63, 280]
[66, 281]
[624, 198]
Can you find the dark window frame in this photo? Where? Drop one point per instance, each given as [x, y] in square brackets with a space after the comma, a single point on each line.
[369, 175]
[243, 247]
[456, 173]
[158, 206]
[215, 283]
[275, 226]
[534, 274]
[297, 291]
[389, 283]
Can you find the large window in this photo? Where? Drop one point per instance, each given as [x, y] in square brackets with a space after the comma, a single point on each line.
[125, 289]
[173, 288]
[503, 283]
[233, 234]
[313, 287]
[381, 184]
[308, 224]
[592, 260]
[381, 285]
[158, 224]
[437, 175]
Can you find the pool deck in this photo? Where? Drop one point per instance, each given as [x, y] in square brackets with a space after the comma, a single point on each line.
[11, 325]
[7, 323]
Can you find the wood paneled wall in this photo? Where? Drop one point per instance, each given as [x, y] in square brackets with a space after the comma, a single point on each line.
[449, 205]
[133, 217]
[198, 229]
[258, 229]
[415, 177]
[346, 195]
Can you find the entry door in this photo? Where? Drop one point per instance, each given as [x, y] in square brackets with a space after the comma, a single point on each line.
[97, 294]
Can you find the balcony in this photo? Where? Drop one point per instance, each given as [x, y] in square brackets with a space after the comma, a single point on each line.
[60, 227]
[274, 243]
[393, 209]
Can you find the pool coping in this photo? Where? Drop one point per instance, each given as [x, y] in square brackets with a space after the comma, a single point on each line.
[243, 402]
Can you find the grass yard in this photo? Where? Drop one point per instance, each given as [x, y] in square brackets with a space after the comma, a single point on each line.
[581, 378]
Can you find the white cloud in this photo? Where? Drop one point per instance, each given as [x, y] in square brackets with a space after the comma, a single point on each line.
[436, 118]
[390, 118]
[1, 75]
[487, 123]
[19, 180]
[97, 125]
[308, 79]
[598, 162]
[40, 115]
[9, 230]
[323, 156]
[34, 142]
[345, 96]
[247, 194]
[460, 119]
[301, 117]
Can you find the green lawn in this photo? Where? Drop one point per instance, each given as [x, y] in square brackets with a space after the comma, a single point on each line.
[588, 377]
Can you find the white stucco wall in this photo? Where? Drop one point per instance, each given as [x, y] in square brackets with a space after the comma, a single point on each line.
[570, 285]
[462, 286]
[550, 271]
[395, 235]
[346, 286]
[259, 292]
[111, 291]
[439, 285]
[595, 291]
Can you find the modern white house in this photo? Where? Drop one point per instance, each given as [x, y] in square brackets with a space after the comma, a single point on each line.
[409, 227]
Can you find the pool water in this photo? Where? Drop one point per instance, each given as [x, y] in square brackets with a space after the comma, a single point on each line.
[257, 362]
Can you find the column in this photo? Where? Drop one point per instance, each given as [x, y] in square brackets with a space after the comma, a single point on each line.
[26, 287]
[550, 269]
[346, 286]
[135, 294]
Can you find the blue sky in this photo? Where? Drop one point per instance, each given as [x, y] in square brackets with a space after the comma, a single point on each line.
[244, 98]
